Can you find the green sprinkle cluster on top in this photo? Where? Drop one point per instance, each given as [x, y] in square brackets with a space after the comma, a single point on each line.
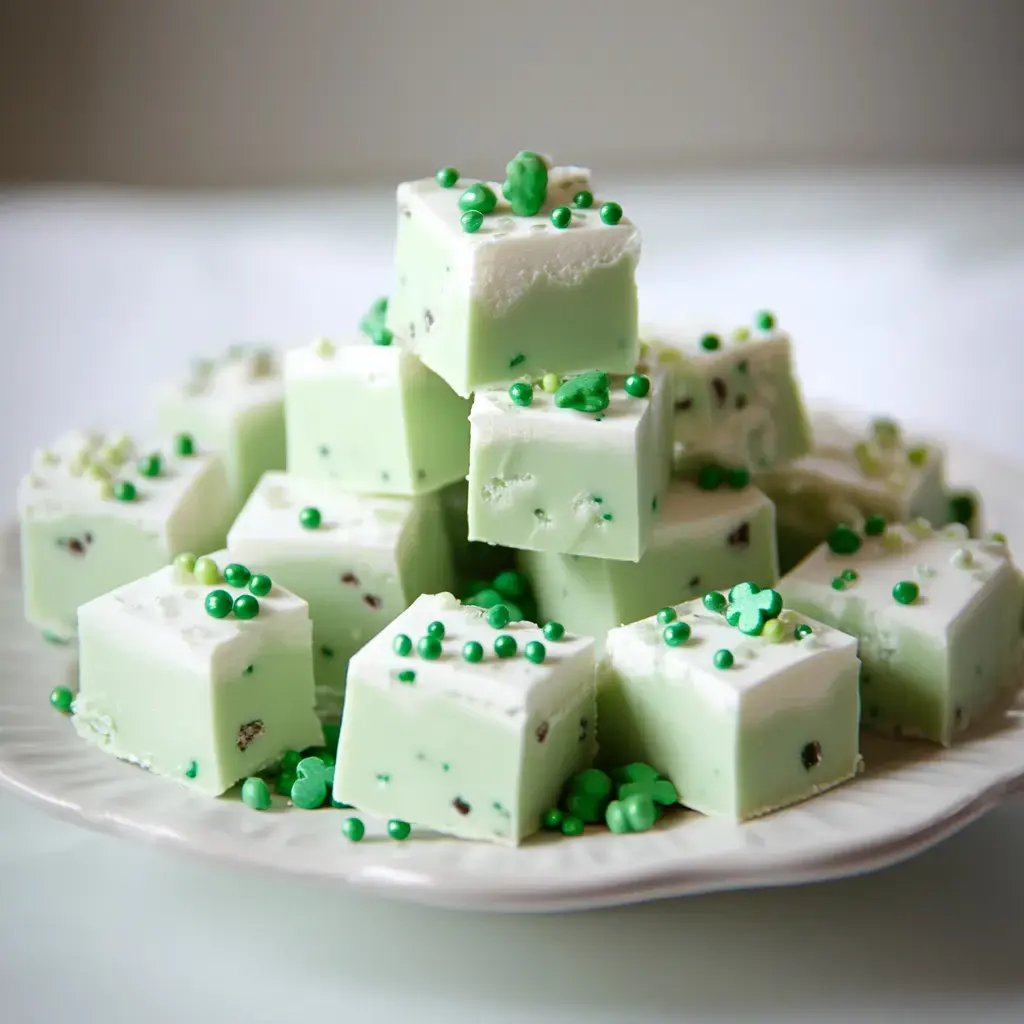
[750, 607]
[219, 603]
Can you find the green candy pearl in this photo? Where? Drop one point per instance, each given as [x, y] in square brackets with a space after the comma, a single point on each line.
[399, 830]
[435, 629]
[353, 829]
[511, 584]
[521, 393]
[583, 199]
[471, 221]
[236, 575]
[723, 659]
[802, 630]
[710, 342]
[552, 819]
[260, 585]
[498, 617]
[611, 213]
[256, 794]
[184, 446]
[61, 698]
[843, 541]
[206, 572]
[906, 592]
[505, 646]
[709, 478]
[676, 634]
[246, 607]
[572, 826]
[480, 198]
[666, 615]
[737, 478]
[446, 177]
[874, 526]
[715, 602]
[765, 320]
[402, 645]
[186, 561]
[561, 217]
[473, 652]
[640, 811]
[218, 604]
[428, 648]
[310, 518]
[553, 631]
[150, 465]
[535, 652]
[124, 490]
[637, 385]
[550, 383]
[838, 583]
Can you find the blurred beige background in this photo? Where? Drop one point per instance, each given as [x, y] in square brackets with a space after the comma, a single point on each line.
[229, 92]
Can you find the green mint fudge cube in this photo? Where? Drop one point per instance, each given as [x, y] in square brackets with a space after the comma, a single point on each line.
[201, 682]
[735, 394]
[234, 406]
[518, 295]
[850, 476]
[357, 560]
[550, 477]
[442, 730]
[373, 418]
[742, 722]
[98, 511]
[703, 539]
[937, 616]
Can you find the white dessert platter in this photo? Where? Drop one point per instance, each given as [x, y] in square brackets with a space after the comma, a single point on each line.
[911, 796]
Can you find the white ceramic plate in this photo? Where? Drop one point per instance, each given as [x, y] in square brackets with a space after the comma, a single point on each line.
[911, 797]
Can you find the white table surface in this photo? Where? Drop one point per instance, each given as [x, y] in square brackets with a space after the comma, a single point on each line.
[905, 295]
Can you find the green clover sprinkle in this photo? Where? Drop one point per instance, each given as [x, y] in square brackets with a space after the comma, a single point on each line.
[723, 659]
[710, 342]
[206, 572]
[583, 200]
[765, 320]
[150, 465]
[471, 221]
[184, 446]
[561, 217]
[774, 631]
[552, 819]
[637, 385]
[236, 575]
[874, 526]
[587, 794]
[473, 652]
[313, 781]
[479, 197]
[801, 630]
[526, 184]
[505, 646]
[715, 602]
[260, 585]
[435, 629]
[498, 617]
[906, 592]
[246, 607]
[61, 698]
[666, 615]
[587, 392]
[446, 177]
[709, 478]
[842, 540]
[401, 645]
[572, 826]
[124, 490]
[535, 652]
[407, 676]
[218, 604]
[611, 213]
[256, 794]
[353, 829]
[750, 607]
[642, 778]
[550, 383]
[428, 648]
[676, 634]
[399, 830]
[521, 393]
[553, 631]
[310, 518]
[185, 561]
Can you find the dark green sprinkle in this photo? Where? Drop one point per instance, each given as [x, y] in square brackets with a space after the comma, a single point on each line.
[399, 829]
[310, 518]
[676, 633]
[184, 446]
[246, 607]
[765, 320]
[407, 676]
[401, 645]
[709, 478]
[535, 651]
[236, 575]
[906, 592]
[516, 360]
[552, 819]
[962, 508]
[843, 541]
[260, 585]
[802, 630]
[511, 584]
[850, 575]
[874, 526]
[561, 217]
[471, 221]
[723, 659]
[429, 648]
[192, 770]
[521, 393]
[553, 631]
[150, 465]
[473, 652]
[637, 385]
[290, 761]
[666, 615]
[587, 392]
[505, 646]
[737, 478]
[353, 829]
[124, 490]
[611, 213]
[249, 669]
[218, 604]
[583, 199]
[838, 583]
[435, 629]
[498, 616]
[715, 601]
[446, 177]
[480, 198]
[571, 825]
[382, 335]
[61, 698]
[710, 342]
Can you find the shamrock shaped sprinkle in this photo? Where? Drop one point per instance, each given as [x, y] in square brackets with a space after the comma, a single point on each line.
[587, 795]
[644, 780]
[750, 607]
[586, 393]
[312, 783]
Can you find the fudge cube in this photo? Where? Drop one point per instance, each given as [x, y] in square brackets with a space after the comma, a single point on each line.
[519, 295]
[97, 512]
[549, 476]
[234, 406]
[849, 476]
[703, 539]
[205, 683]
[735, 394]
[937, 616]
[443, 730]
[373, 418]
[745, 714]
[357, 560]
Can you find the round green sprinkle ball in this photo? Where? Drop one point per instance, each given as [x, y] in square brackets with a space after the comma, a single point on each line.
[666, 615]
[218, 604]
[310, 518]
[773, 631]
[843, 541]
[446, 177]
[723, 659]
[637, 385]
[255, 794]
[511, 584]
[150, 465]
[505, 646]
[61, 698]
[709, 478]
[550, 383]
[583, 200]
[399, 830]
[480, 198]
[236, 575]
[124, 490]
[402, 645]
[552, 819]
[838, 583]
[553, 631]
[710, 342]
[521, 393]
[428, 648]
[611, 213]
[498, 617]
[260, 585]
[184, 446]
[738, 478]
[246, 607]
[615, 818]
[435, 629]
[561, 217]
[186, 561]
[206, 572]
[473, 652]
[675, 634]
[874, 526]
[572, 826]
[471, 221]
[765, 320]
[535, 651]
[715, 601]
[906, 592]
[353, 829]
[801, 630]
[382, 336]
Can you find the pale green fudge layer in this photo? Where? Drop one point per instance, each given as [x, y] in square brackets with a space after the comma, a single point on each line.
[366, 561]
[519, 295]
[702, 540]
[200, 700]
[233, 406]
[79, 539]
[544, 478]
[373, 418]
[932, 665]
[778, 726]
[475, 749]
[736, 396]
[850, 476]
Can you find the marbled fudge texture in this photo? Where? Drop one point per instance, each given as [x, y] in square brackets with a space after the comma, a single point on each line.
[232, 405]
[100, 510]
[474, 748]
[937, 616]
[365, 561]
[703, 539]
[519, 295]
[545, 478]
[774, 722]
[373, 418]
[204, 701]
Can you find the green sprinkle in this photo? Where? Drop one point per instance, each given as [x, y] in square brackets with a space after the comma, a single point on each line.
[962, 508]
[184, 446]
[516, 360]
[435, 629]
[150, 465]
[480, 198]
[676, 633]
[471, 221]
[561, 217]
[917, 456]
[61, 698]
[192, 770]
[526, 184]
[498, 617]
[550, 383]
[399, 830]
[553, 631]
[256, 794]
[260, 585]
[637, 385]
[401, 645]
[446, 177]
[249, 669]
[206, 572]
[407, 676]
[552, 819]
[511, 584]
[774, 631]
[587, 392]
[723, 659]
[838, 583]
[290, 762]
[186, 561]
[843, 541]
[473, 652]
[583, 199]
[611, 213]
[737, 478]
[750, 607]
[587, 794]
[284, 784]
[802, 630]
[310, 518]
[765, 320]
[382, 335]
[715, 602]
[615, 818]
[710, 342]
[666, 615]
[124, 490]
[521, 393]
[428, 648]
[874, 526]
[535, 651]
[572, 826]
[906, 592]
[353, 829]
[236, 575]
[709, 478]
[850, 575]
[505, 646]
[640, 811]
[246, 607]
[218, 604]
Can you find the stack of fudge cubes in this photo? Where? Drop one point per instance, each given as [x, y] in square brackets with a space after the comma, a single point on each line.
[502, 430]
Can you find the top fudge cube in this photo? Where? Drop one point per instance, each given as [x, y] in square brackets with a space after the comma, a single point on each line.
[519, 295]
[736, 396]
[373, 418]
[234, 406]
